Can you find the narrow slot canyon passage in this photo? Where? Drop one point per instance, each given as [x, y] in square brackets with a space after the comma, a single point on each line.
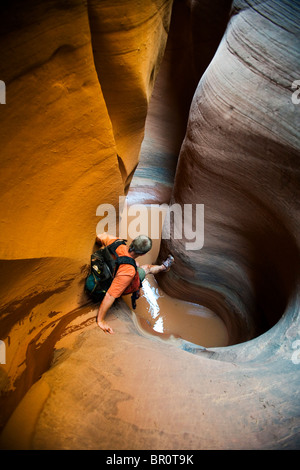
[174, 102]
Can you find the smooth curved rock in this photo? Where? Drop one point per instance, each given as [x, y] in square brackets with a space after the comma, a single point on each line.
[62, 157]
[240, 159]
[128, 41]
[195, 32]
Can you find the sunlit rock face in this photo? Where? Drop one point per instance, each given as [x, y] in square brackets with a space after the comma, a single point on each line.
[77, 98]
[78, 77]
[128, 40]
[59, 155]
[67, 67]
[240, 159]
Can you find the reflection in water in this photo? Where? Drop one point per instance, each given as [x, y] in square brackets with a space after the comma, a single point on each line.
[159, 326]
[151, 295]
[159, 314]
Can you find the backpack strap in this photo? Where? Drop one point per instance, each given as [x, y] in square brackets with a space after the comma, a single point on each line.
[125, 260]
[120, 259]
[114, 245]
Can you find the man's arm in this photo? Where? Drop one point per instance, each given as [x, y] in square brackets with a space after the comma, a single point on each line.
[104, 239]
[119, 284]
[103, 309]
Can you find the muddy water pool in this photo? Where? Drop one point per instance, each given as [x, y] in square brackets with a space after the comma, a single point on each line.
[159, 314]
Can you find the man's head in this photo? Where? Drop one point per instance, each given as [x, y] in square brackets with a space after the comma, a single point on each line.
[141, 245]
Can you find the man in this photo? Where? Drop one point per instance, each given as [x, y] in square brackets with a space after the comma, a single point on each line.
[126, 273]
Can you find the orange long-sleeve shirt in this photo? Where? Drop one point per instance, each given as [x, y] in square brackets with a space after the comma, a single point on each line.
[125, 273]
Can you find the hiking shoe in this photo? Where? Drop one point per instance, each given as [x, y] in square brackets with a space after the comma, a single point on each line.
[168, 262]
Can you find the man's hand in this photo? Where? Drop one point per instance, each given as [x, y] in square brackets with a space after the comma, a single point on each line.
[98, 241]
[103, 308]
[105, 327]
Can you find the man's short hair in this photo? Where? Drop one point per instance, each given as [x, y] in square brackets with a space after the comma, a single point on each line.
[141, 245]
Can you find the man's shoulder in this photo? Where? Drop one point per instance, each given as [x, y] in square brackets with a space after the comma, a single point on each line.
[126, 270]
[122, 250]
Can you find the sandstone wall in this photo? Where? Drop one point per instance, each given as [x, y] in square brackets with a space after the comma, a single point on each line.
[128, 40]
[240, 159]
[78, 77]
[60, 144]
[195, 32]
[67, 148]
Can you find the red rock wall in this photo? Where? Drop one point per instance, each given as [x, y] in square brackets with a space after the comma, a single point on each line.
[240, 159]
[195, 31]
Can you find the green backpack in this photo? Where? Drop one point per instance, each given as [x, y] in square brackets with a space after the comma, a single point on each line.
[104, 265]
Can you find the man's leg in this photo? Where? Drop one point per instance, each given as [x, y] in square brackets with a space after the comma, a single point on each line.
[157, 268]
[153, 268]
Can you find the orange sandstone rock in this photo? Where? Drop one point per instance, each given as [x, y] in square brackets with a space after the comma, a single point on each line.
[63, 151]
[68, 144]
[128, 39]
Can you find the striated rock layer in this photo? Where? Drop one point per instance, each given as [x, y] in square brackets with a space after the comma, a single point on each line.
[68, 146]
[240, 159]
[195, 31]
